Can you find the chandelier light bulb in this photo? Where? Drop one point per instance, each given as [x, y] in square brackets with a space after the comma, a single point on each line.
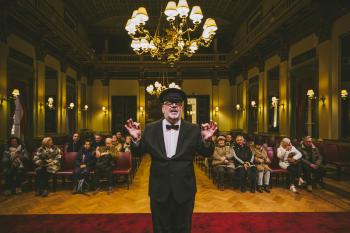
[142, 16]
[144, 44]
[171, 11]
[135, 44]
[196, 15]
[134, 19]
[182, 8]
[210, 25]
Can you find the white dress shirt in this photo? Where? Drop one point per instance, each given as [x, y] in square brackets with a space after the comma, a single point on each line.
[170, 138]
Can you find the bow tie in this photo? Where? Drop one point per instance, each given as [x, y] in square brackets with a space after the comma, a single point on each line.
[169, 127]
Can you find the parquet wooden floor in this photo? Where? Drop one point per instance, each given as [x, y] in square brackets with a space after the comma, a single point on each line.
[208, 199]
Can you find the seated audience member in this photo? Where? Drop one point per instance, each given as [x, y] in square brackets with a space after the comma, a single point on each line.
[222, 161]
[116, 143]
[75, 144]
[13, 165]
[214, 138]
[229, 141]
[120, 137]
[97, 141]
[127, 144]
[313, 163]
[244, 162]
[105, 162]
[262, 162]
[84, 163]
[47, 160]
[290, 159]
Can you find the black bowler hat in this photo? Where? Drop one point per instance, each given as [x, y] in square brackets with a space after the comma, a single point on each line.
[172, 95]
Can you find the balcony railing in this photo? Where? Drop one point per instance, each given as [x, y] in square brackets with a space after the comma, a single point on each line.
[136, 59]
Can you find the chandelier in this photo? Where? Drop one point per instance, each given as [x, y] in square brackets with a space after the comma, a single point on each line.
[158, 87]
[176, 37]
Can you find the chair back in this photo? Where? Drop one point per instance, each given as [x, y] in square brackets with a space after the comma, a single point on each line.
[330, 153]
[69, 159]
[123, 161]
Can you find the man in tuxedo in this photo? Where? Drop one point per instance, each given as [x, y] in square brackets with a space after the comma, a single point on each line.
[172, 144]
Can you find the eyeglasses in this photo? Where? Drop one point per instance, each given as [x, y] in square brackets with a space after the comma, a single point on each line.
[169, 104]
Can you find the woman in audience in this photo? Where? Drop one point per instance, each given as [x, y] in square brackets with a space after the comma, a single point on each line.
[84, 164]
[48, 161]
[290, 159]
[244, 162]
[222, 161]
[13, 164]
[262, 162]
[116, 143]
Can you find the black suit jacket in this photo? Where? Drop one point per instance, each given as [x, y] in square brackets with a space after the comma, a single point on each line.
[172, 175]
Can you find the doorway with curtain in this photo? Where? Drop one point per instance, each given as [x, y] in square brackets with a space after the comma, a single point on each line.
[123, 108]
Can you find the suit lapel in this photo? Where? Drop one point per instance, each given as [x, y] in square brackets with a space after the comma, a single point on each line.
[181, 138]
[160, 137]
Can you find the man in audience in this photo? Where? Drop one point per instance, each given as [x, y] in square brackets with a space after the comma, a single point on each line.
[262, 162]
[97, 141]
[223, 161]
[75, 144]
[105, 162]
[290, 159]
[229, 141]
[48, 161]
[118, 145]
[13, 165]
[244, 162]
[313, 163]
[84, 164]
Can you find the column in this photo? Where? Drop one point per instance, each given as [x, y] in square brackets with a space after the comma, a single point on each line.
[61, 99]
[141, 106]
[79, 122]
[39, 100]
[106, 102]
[215, 101]
[262, 124]
[4, 51]
[327, 127]
[284, 114]
[244, 101]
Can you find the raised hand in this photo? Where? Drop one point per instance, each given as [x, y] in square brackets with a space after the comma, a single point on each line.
[134, 129]
[208, 130]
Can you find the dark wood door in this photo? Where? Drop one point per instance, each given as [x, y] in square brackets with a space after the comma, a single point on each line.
[123, 108]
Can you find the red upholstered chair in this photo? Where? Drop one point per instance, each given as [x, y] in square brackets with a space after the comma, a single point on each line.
[337, 155]
[123, 166]
[68, 165]
[276, 170]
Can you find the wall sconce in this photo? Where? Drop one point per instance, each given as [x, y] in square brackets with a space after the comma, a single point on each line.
[253, 104]
[104, 109]
[71, 106]
[216, 110]
[2, 99]
[15, 93]
[311, 95]
[344, 94]
[85, 107]
[238, 107]
[142, 110]
[50, 103]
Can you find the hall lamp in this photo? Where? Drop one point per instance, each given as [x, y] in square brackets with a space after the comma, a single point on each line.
[2, 99]
[311, 95]
[71, 106]
[238, 107]
[344, 94]
[104, 109]
[142, 110]
[253, 104]
[85, 107]
[216, 110]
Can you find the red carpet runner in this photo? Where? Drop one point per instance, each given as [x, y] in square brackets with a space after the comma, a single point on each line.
[202, 223]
